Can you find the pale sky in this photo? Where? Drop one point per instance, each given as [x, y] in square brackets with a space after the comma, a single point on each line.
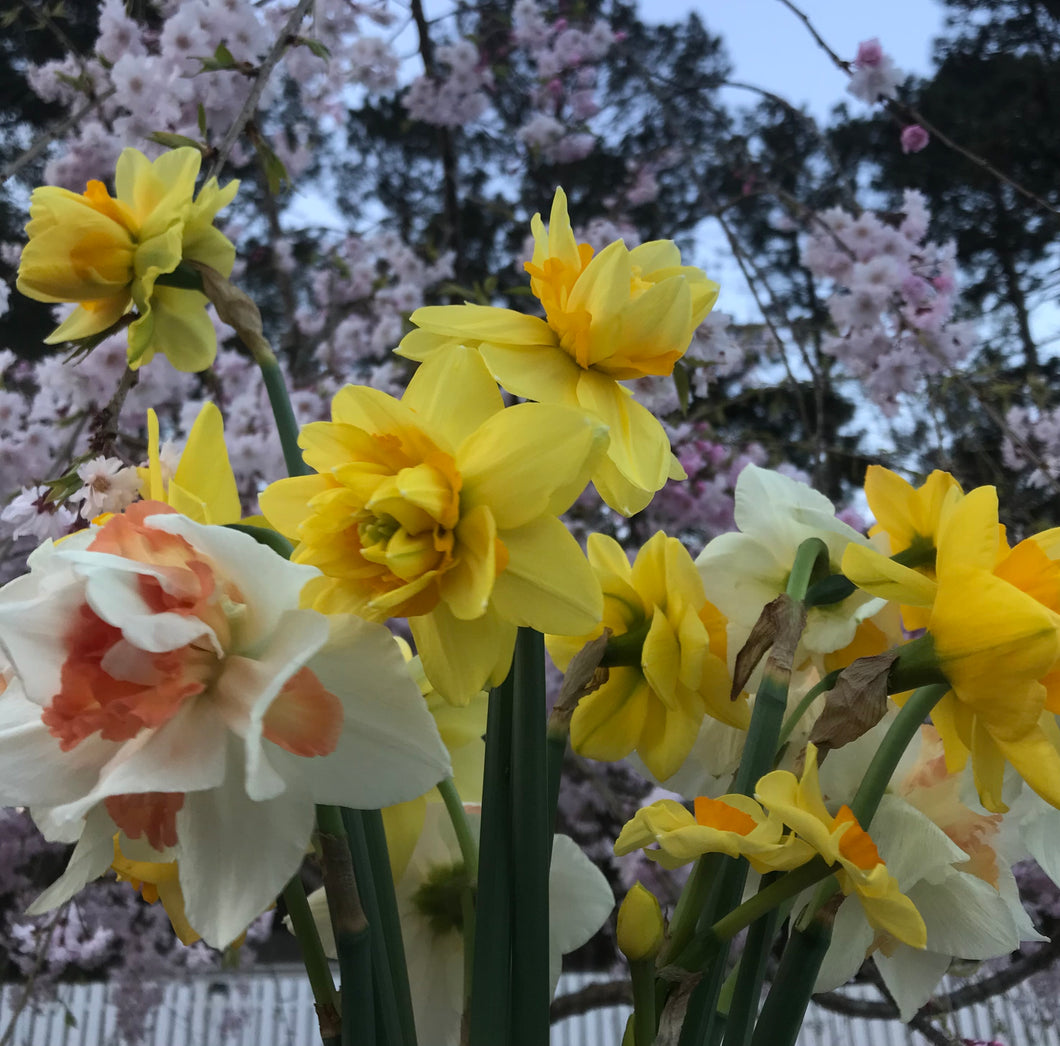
[771, 47]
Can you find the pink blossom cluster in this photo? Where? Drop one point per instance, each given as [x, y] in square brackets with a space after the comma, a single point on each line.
[1032, 444]
[153, 79]
[562, 62]
[892, 298]
[459, 96]
[874, 75]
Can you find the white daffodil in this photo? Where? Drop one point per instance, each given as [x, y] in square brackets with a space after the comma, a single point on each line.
[953, 863]
[745, 570]
[174, 698]
[579, 902]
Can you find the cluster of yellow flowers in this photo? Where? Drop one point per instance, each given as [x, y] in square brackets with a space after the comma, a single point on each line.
[444, 506]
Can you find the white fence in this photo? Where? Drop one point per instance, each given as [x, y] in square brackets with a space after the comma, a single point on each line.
[275, 1008]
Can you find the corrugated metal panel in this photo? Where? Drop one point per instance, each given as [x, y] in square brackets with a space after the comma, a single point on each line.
[275, 1008]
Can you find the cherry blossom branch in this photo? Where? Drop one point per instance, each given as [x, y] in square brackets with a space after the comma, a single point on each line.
[281, 43]
[911, 115]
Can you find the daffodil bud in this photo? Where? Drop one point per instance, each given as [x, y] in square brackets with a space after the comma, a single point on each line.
[640, 924]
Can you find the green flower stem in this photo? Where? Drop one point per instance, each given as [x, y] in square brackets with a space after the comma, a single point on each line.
[390, 921]
[372, 870]
[799, 710]
[811, 559]
[783, 1010]
[490, 1010]
[782, 1013]
[352, 933]
[835, 588]
[555, 751]
[325, 998]
[454, 806]
[531, 845]
[626, 649]
[283, 412]
[750, 974]
[904, 728]
[642, 973]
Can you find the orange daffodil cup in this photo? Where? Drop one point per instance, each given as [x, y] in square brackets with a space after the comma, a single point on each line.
[107, 253]
[442, 507]
[172, 698]
[609, 317]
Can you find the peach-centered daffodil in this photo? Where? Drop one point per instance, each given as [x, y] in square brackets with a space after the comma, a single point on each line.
[202, 486]
[442, 507]
[171, 691]
[107, 252]
[656, 704]
[610, 317]
[994, 623]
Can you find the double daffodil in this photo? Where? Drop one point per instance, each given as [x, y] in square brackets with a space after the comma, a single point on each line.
[107, 253]
[677, 671]
[612, 316]
[441, 507]
[994, 620]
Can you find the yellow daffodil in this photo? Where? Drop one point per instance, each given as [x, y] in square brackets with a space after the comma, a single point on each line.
[157, 881]
[910, 517]
[841, 841]
[995, 625]
[441, 507]
[613, 316]
[734, 824]
[740, 827]
[202, 487]
[657, 704]
[106, 253]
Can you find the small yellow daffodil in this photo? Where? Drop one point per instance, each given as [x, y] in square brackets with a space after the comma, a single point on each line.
[442, 507]
[107, 253]
[640, 924]
[156, 881]
[994, 622]
[656, 705]
[612, 316]
[202, 487]
[734, 825]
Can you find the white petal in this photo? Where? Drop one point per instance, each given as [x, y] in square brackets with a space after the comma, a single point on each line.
[36, 612]
[34, 771]
[247, 687]
[389, 749]
[270, 585]
[579, 902]
[914, 848]
[184, 755]
[91, 858]
[852, 936]
[237, 855]
[965, 917]
[911, 976]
